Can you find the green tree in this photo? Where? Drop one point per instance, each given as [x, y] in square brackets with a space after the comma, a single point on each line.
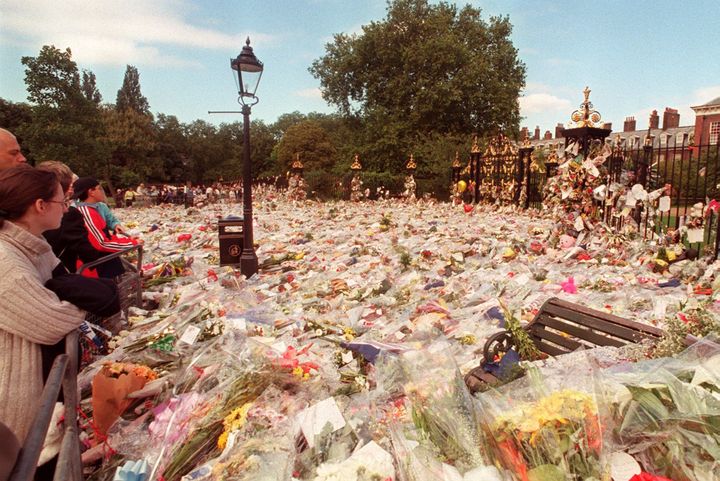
[284, 122]
[171, 149]
[52, 78]
[89, 87]
[200, 136]
[129, 96]
[65, 125]
[311, 142]
[130, 137]
[425, 69]
[262, 144]
[13, 115]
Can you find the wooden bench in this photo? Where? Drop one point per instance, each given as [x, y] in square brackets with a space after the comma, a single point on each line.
[561, 327]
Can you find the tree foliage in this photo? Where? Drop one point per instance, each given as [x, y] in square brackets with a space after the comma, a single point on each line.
[129, 97]
[426, 68]
[65, 125]
[424, 80]
[89, 87]
[311, 142]
[52, 79]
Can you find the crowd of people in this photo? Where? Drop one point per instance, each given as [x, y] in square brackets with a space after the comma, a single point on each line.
[51, 222]
[187, 195]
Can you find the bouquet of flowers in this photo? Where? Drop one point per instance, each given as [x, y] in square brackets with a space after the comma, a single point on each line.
[110, 388]
[436, 412]
[668, 413]
[546, 429]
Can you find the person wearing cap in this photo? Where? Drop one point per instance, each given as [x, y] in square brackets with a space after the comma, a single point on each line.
[90, 195]
[95, 195]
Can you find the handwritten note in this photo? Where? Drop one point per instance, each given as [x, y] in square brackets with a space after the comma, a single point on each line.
[314, 419]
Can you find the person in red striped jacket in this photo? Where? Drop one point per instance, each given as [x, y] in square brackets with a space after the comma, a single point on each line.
[91, 204]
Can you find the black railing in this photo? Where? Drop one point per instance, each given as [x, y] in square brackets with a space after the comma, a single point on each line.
[690, 172]
[62, 375]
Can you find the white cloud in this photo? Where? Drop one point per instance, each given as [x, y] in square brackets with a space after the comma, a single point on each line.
[313, 93]
[542, 102]
[705, 94]
[112, 32]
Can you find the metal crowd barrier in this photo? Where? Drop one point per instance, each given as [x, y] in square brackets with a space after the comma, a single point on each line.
[69, 465]
[130, 283]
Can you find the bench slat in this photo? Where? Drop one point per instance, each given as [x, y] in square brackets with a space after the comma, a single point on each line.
[599, 324]
[541, 333]
[550, 348]
[568, 310]
[580, 332]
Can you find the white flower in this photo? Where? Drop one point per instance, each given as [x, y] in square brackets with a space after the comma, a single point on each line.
[483, 473]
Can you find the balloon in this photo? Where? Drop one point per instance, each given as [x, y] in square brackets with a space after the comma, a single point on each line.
[461, 186]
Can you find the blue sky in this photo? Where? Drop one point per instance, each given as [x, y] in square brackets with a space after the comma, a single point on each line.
[636, 56]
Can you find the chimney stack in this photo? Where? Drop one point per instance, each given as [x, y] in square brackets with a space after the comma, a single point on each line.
[524, 133]
[671, 118]
[654, 120]
[547, 135]
[559, 130]
[629, 124]
[607, 126]
[537, 133]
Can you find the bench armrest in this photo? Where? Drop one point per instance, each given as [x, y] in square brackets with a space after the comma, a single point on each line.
[500, 342]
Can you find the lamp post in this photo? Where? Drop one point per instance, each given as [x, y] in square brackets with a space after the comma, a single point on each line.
[249, 70]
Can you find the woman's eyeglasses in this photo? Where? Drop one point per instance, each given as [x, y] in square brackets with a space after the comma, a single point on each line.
[65, 203]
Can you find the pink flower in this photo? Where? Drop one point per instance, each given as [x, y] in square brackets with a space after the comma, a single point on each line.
[569, 285]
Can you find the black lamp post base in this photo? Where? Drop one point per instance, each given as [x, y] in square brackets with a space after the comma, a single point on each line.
[248, 263]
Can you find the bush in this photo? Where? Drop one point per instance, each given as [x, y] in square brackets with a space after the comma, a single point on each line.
[324, 185]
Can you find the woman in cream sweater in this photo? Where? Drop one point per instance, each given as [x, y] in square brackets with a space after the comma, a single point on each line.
[31, 202]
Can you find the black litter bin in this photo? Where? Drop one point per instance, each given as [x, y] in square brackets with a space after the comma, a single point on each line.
[230, 233]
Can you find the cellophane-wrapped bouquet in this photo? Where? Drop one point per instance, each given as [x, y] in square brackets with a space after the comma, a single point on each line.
[667, 413]
[547, 429]
[430, 414]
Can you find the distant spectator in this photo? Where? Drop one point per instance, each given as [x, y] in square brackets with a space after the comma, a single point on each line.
[10, 153]
[119, 197]
[129, 197]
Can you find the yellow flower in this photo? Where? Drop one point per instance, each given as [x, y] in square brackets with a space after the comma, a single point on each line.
[222, 440]
[349, 333]
[232, 422]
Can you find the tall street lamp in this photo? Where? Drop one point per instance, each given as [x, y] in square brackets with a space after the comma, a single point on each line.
[249, 70]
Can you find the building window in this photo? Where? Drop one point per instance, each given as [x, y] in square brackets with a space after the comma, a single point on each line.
[714, 132]
[663, 140]
[680, 138]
